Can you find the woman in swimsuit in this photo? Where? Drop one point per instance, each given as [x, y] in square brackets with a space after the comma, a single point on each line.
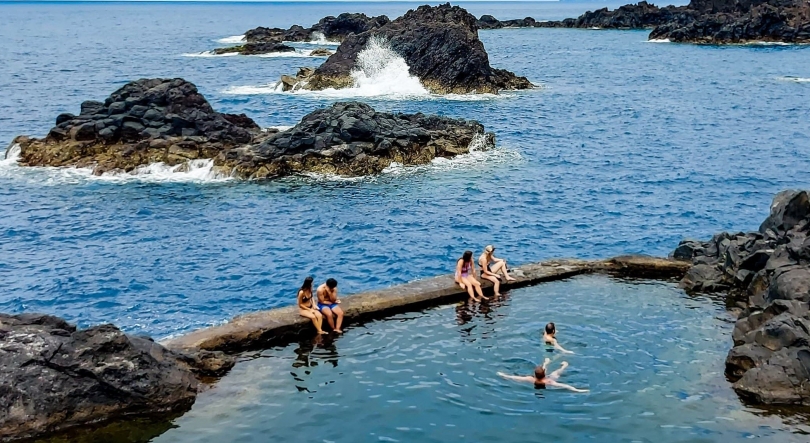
[465, 276]
[306, 306]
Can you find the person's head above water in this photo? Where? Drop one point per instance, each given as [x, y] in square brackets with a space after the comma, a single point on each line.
[539, 373]
[551, 329]
[331, 283]
[307, 284]
[467, 256]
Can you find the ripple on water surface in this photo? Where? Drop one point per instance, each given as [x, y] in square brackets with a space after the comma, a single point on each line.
[651, 356]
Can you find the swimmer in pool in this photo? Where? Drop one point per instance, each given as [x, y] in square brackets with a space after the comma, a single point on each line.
[549, 339]
[541, 380]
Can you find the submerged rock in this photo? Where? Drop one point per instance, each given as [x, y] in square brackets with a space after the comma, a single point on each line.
[440, 46]
[768, 273]
[54, 377]
[255, 49]
[157, 120]
[352, 139]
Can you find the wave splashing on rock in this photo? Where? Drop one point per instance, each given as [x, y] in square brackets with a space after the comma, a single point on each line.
[381, 71]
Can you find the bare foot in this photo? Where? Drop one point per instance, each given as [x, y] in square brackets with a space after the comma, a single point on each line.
[338, 331]
[498, 294]
[510, 279]
[322, 332]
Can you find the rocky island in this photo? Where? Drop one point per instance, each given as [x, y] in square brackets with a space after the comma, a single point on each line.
[440, 46]
[263, 40]
[705, 21]
[169, 121]
[767, 276]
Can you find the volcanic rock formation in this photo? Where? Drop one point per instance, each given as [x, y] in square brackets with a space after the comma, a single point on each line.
[169, 121]
[706, 21]
[263, 40]
[768, 275]
[633, 16]
[440, 46]
[54, 376]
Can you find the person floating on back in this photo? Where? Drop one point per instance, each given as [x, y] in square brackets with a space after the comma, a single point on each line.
[328, 304]
[491, 266]
[306, 305]
[465, 276]
[541, 380]
[550, 339]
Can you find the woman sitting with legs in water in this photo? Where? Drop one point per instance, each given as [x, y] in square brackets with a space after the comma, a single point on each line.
[306, 306]
[465, 276]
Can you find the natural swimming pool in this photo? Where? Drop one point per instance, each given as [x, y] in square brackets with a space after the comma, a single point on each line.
[652, 356]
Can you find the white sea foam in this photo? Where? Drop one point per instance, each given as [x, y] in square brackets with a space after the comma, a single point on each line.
[480, 156]
[280, 128]
[191, 171]
[659, 40]
[319, 39]
[794, 79]
[380, 72]
[209, 54]
[290, 54]
[232, 39]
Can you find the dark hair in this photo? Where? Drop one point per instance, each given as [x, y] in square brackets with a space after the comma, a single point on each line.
[331, 283]
[539, 373]
[307, 284]
[550, 328]
[467, 256]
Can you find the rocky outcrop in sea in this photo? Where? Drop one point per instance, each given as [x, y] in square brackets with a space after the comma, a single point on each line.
[767, 276]
[726, 21]
[440, 46]
[705, 21]
[54, 376]
[642, 15]
[169, 121]
[263, 40]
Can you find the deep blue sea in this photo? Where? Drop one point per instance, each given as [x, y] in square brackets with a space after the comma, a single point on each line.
[628, 147]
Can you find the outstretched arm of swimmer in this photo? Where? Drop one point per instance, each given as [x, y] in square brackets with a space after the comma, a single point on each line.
[546, 362]
[560, 348]
[564, 386]
[517, 377]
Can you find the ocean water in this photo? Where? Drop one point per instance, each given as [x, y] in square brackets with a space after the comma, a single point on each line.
[627, 147]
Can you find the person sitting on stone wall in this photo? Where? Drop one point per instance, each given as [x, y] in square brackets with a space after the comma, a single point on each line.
[306, 305]
[491, 266]
[465, 277]
[328, 304]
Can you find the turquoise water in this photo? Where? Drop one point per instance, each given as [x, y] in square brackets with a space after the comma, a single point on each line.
[651, 356]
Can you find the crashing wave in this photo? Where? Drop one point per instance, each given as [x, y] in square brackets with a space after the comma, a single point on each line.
[232, 39]
[319, 39]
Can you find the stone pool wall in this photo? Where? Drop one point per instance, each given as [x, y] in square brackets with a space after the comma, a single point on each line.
[275, 326]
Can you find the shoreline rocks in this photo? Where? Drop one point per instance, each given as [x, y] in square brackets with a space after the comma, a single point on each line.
[255, 49]
[767, 276]
[54, 377]
[440, 46]
[169, 121]
[705, 21]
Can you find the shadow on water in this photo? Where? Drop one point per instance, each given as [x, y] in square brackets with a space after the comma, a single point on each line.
[136, 430]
